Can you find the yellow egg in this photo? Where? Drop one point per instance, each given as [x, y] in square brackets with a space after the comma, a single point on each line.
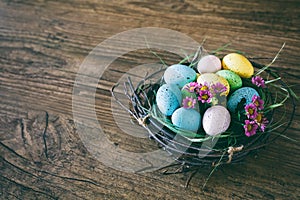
[211, 78]
[238, 64]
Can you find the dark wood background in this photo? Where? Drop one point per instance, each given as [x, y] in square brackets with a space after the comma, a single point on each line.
[43, 43]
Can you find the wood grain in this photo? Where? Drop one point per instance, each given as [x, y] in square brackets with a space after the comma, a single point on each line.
[43, 43]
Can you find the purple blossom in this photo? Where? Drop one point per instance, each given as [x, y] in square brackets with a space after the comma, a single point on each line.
[251, 111]
[250, 128]
[264, 124]
[191, 87]
[203, 87]
[189, 102]
[205, 96]
[218, 88]
[258, 81]
[261, 121]
[258, 102]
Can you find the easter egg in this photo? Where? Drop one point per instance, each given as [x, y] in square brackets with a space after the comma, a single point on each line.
[238, 64]
[237, 96]
[216, 120]
[179, 75]
[233, 79]
[209, 64]
[168, 99]
[188, 119]
[211, 78]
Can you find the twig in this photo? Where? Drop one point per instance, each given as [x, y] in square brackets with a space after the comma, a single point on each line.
[44, 136]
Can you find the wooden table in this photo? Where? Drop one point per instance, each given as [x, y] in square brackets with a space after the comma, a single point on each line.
[42, 45]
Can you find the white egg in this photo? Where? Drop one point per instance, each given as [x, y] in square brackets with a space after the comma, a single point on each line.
[216, 120]
[209, 64]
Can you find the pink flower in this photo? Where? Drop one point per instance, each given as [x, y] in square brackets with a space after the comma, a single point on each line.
[203, 87]
[258, 102]
[191, 87]
[218, 88]
[258, 81]
[205, 96]
[189, 102]
[264, 124]
[250, 128]
[261, 121]
[251, 111]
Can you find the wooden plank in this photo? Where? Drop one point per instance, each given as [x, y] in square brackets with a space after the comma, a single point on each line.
[43, 43]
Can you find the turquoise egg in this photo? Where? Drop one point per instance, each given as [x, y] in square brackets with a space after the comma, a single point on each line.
[168, 99]
[233, 79]
[237, 96]
[179, 75]
[187, 119]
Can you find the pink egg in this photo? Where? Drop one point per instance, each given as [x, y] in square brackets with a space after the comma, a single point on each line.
[216, 120]
[209, 64]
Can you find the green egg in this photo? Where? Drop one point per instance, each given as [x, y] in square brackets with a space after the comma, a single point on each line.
[233, 79]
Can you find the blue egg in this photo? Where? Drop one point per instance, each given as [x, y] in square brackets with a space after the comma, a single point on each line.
[236, 97]
[168, 99]
[179, 75]
[188, 119]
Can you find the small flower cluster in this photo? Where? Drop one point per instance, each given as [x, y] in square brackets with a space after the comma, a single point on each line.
[255, 118]
[204, 93]
[258, 81]
[189, 102]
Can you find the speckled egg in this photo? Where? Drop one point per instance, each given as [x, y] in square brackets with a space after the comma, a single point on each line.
[188, 119]
[238, 64]
[209, 64]
[211, 78]
[233, 79]
[236, 97]
[168, 99]
[216, 120]
[179, 75]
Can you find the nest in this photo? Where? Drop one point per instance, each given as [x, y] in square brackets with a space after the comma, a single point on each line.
[226, 150]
